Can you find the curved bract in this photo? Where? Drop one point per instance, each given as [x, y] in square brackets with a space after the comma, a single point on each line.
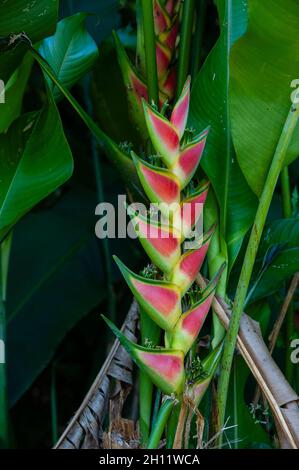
[161, 298]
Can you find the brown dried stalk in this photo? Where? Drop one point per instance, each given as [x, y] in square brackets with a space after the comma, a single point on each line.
[278, 324]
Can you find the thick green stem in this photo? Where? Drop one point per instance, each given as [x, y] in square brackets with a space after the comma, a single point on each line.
[161, 422]
[287, 212]
[185, 44]
[216, 257]
[149, 332]
[250, 256]
[286, 193]
[150, 51]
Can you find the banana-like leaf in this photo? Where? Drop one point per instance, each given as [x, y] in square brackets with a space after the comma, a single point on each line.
[210, 107]
[71, 52]
[263, 65]
[35, 159]
[14, 92]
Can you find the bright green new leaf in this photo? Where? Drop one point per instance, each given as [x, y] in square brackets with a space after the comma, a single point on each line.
[35, 159]
[71, 52]
[210, 107]
[14, 92]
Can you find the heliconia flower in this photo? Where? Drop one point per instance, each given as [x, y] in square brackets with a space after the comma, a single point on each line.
[179, 114]
[190, 323]
[209, 366]
[190, 263]
[164, 367]
[191, 209]
[163, 135]
[160, 300]
[189, 158]
[161, 243]
[160, 185]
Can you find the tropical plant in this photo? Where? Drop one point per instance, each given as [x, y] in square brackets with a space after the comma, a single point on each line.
[225, 141]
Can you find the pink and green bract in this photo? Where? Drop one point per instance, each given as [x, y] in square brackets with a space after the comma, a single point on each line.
[162, 298]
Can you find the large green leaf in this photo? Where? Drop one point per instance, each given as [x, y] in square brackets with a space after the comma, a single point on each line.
[263, 64]
[210, 106]
[14, 92]
[71, 52]
[36, 18]
[34, 160]
[283, 232]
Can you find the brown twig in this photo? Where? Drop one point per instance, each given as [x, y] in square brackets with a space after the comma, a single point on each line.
[278, 324]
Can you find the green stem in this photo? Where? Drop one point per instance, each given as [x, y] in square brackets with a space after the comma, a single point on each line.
[4, 414]
[156, 407]
[161, 422]
[185, 44]
[149, 332]
[287, 212]
[286, 193]
[250, 256]
[216, 257]
[201, 13]
[150, 50]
